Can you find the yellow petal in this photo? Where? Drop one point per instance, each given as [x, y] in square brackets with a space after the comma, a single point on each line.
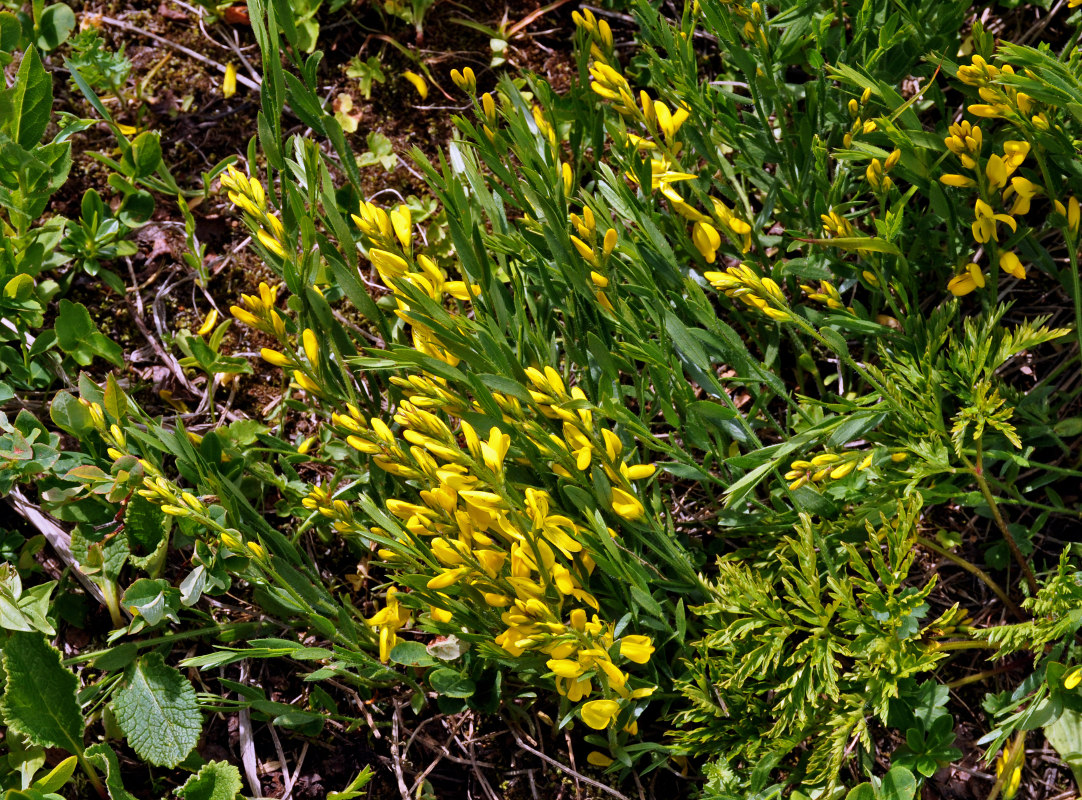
[208, 323]
[418, 82]
[229, 82]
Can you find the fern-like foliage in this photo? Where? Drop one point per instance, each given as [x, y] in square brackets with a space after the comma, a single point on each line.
[1056, 610]
[799, 656]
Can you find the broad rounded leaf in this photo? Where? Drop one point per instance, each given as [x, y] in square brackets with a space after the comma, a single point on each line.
[39, 699]
[449, 683]
[57, 23]
[158, 712]
[217, 780]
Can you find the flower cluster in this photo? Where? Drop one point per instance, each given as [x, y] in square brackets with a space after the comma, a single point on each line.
[596, 250]
[997, 188]
[487, 538]
[476, 527]
[248, 195]
[762, 294]
[659, 126]
[1000, 100]
[862, 123]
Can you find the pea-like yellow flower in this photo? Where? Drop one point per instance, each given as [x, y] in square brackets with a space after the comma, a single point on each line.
[984, 223]
[275, 358]
[311, 346]
[389, 265]
[707, 240]
[626, 505]
[599, 714]
[208, 323]
[465, 80]
[967, 282]
[1074, 677]
[598, 759]
[1023, 191]
[1011, 264]
[388, 621]
[636, 648]
[419, 83]
[1010, 783]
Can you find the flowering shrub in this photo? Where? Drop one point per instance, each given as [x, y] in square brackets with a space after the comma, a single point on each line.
[662, 435]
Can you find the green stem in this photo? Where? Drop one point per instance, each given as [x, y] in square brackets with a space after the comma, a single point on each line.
[1012, 545]
[169, 637]
[92, 774]
[977, 572]
[968, 644]
[977, 677]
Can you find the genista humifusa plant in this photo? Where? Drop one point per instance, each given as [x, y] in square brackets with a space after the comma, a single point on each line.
[720, 410]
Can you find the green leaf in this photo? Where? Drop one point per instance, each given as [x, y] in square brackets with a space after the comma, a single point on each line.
[898, 784]
[355, 786]
[449, 683]
[145, 527]
[58, 776]
[217, 780]
[40, 696]
[69, 414]
[103, 758]
[144, 156]
[862, 244]
[1065, 735]
[152, 599]
[32, 98]
[412, 654]
[862, 791]
[78, 336]
[158, 712]
[55, 26]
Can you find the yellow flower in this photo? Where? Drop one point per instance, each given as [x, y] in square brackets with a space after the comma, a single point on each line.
[401, 220]
[626, 505]
[984, 223]
[609, 243]
[967, 282]
[388, 264]
[418, 82]
[270, 243]
[311, 346]
[1074, 677]
[707, 240]
[465, 80]
[565, 668]
[996, 172]
[599, 714]
[1014, 153]
[1011, 264]
[1010, 784]
[636, 648]
[494, 450]
[598, 759]
[1023, 192]
[275, 358]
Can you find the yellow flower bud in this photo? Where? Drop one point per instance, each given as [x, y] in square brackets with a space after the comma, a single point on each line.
[275, 358]
[311, 346]
[229, 82]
